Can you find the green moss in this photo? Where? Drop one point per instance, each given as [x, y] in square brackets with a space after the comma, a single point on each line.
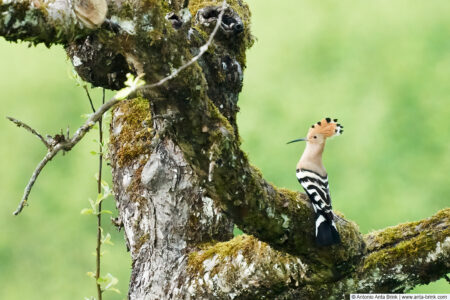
[133, 140]
[244, 244]
[196, 5]
[391, 235]
[399, 244]
[217, 135]
[126, 10]
[141, 242]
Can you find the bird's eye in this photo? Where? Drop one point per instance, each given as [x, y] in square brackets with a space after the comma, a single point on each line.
[315, 137]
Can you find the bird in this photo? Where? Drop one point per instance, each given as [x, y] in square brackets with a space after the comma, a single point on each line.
[314, 179]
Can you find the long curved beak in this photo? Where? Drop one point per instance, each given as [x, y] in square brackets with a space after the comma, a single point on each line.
[297, 140]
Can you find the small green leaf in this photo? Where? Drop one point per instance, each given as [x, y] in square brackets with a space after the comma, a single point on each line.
[105, 187]
[104, 211]
[93, 152]
[111, 281]
[101, 280]
[100, 198]
[123, 93]
[91, 274]
[107, 240]
[94, 207]
[87, 211]
[131, 85]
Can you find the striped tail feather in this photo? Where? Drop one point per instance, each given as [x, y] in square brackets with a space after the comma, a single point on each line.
[326, 231]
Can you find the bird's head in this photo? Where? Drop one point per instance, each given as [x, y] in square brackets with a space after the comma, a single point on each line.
[322, 130]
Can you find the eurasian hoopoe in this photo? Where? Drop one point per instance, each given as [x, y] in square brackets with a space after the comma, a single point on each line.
[314, 179]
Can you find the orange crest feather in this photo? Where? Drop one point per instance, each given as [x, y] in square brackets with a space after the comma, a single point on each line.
[327, 127]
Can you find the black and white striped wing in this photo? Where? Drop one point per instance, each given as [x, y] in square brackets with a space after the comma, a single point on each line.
[317, 188]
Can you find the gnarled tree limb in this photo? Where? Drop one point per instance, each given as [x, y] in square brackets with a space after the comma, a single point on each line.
[411, 253]
[397, 259]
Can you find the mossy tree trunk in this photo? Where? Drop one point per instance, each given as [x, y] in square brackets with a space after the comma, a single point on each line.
[181, 180]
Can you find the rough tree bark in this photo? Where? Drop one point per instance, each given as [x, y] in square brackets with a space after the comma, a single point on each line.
[181, 180]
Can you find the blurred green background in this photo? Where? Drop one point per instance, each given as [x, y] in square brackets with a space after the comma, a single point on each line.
[381, 67]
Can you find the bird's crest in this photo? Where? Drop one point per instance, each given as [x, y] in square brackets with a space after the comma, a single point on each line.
[327, 127]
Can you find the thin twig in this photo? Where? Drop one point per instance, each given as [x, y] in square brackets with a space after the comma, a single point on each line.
[89, 97]
[28, 128]
[99, 191]
[68, 144]
[65, 145]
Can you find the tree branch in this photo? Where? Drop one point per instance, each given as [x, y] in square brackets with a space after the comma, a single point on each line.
[67, 144]
[36, 21]
[28, 128]
[60, 142]
[244, 266]
[398, 259]
[412, 253]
